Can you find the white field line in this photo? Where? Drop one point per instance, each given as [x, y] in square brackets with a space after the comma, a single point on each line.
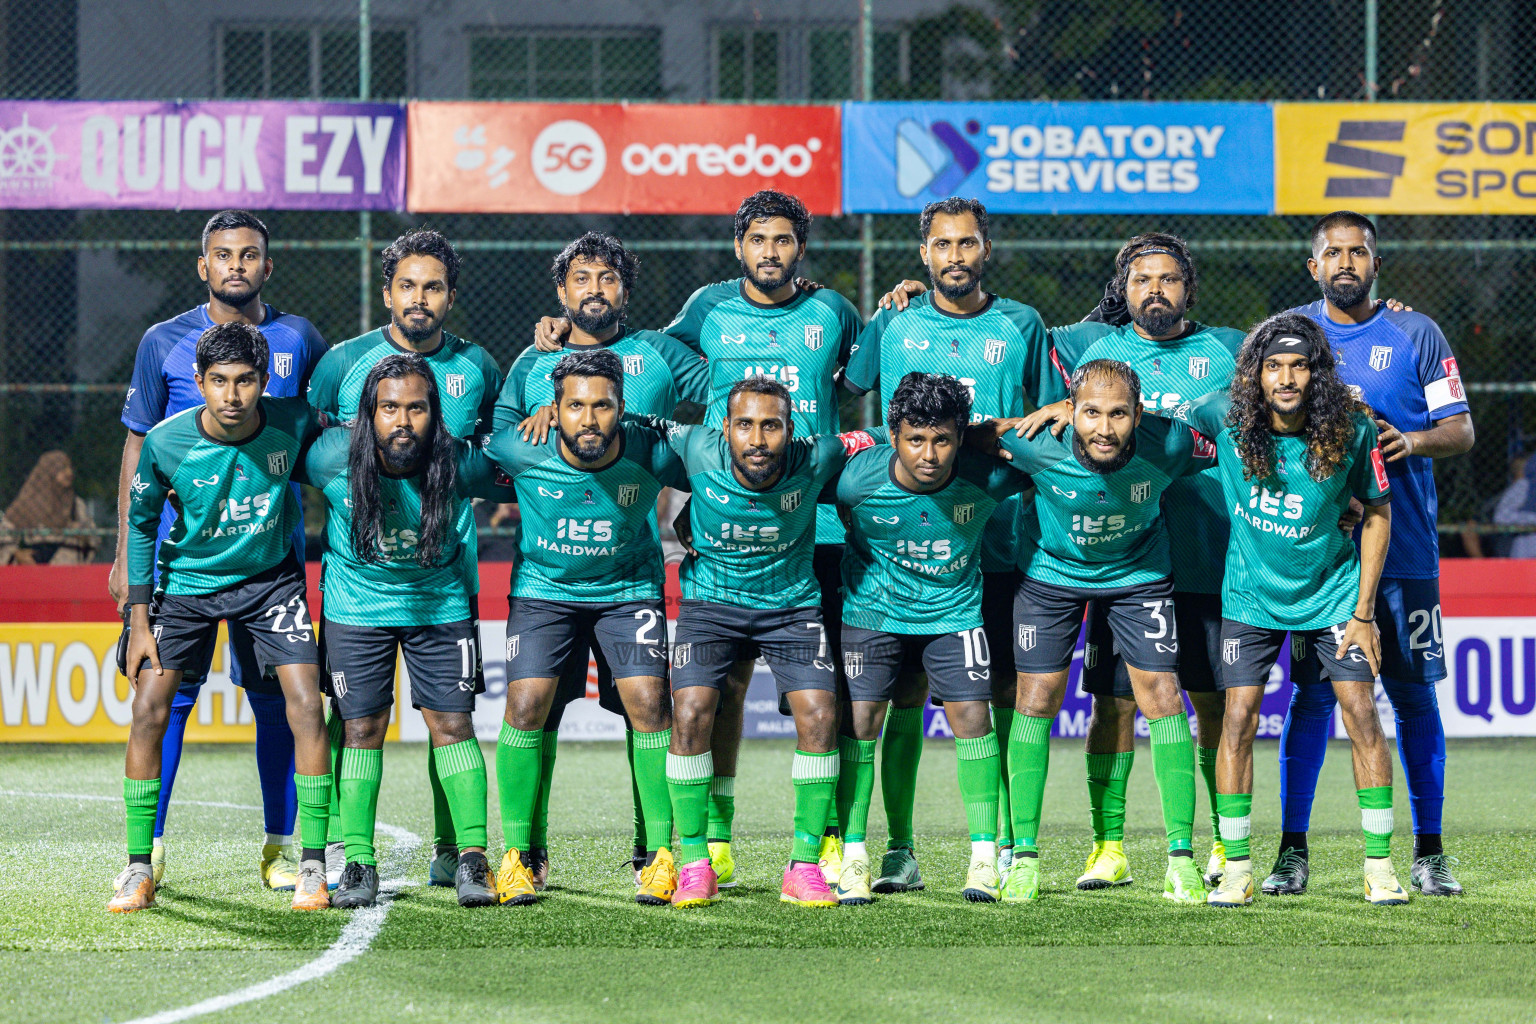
[361, 929]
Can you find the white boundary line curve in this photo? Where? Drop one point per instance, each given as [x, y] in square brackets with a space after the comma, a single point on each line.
[361, 929]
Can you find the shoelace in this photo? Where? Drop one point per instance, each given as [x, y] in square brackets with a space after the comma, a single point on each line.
[1438, 866]
[1291, 862]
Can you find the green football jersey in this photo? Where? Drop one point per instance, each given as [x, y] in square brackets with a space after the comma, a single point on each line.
[589, 535]
[801, 342]
[1172, 372]
[1000, 353]
[1289, 566]
[398, 590]
[910, 564]
[235, 509]
[659, 372]
[755, 547]
[1096, 530]
[468, 379]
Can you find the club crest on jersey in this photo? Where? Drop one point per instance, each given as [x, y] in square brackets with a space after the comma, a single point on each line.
[790, 501]
[455, 385]
[277, 463]
[1381, 357]
[964, 513]
[680, 655]
[813, 337]
[993, 350]
[339, 683]
[634, 365]
[1229, 650]
[853, 664]
[1298, 648]
[282, 363]
[1199, 367]
[513, 643]
[1140, 492]
[1027, 638]
[627, 494]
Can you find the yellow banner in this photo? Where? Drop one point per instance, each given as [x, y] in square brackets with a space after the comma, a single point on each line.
[59, 684]
[1405, 157]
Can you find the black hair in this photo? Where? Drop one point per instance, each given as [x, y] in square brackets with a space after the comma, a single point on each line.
[234, 342]
[1343, 219]
[596, 247]
[439, 476]
[1106, 371]
[763, 386]
[929, 400]
[953, 206]
[230, 220]
[600, 363]
[422, 243]
[1175, 246]
[768, 203]
[1328, 404]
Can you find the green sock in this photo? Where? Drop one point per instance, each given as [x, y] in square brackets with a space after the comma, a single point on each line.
[361, 772]
[335, 728]
[977, 764]
[538, 833]
[899, 757]
[1002, 723]
[442, 813]
[1108, 777]
[650, 775]
[314, 808]
[815, 777]
[1173, 763]
[141, 798]
[461, 766]
[1029, 756]
[634, 792]
[855, 785]
[517, 776]
[1235, 810]
[688, 777]
[1205, 757]
[1376, 819]
[722, 807]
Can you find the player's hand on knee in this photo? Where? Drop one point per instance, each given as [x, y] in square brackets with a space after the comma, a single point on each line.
[1367, 637]
[549, 333]
[141, 645]
[898, 297]
[1056, 416]
[535, 429]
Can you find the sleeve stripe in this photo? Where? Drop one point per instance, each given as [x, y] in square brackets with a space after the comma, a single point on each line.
[1444, 392]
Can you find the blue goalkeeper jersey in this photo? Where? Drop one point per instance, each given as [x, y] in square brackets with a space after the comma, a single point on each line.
[1402, 367]
[163, 370]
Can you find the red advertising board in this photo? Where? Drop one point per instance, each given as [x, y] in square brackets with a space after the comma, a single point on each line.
[618, 157]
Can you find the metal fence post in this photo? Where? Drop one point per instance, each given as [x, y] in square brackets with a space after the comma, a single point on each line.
[867, 221]
[364, 217]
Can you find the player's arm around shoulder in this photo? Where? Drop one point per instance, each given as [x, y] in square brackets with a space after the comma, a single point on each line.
[861, 370]
[478, 476]
[1176, 448]
[688, 326]
[326, 459]
[511, 401]
[1207, 414]
[324, 391]
[1368, 480]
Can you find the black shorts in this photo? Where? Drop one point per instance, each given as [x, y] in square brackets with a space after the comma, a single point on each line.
[1198, 617]
[712, 637]
[1249, 652]
[440, 662]
[542, 635]
[997, 590]
[272, 605]
[827, 564]
[958, 665]
[1141, 621]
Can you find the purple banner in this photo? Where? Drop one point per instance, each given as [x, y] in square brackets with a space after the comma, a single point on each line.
[70, 155]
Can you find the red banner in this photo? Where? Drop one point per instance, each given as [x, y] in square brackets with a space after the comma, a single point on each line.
[619, 158]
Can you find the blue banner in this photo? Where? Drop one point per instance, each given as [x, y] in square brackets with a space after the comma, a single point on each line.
[1084, 157]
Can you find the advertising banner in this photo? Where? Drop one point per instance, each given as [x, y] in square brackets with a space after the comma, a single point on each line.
[1086, 157]
[618, 158]
[72, 154]
[1405, 157]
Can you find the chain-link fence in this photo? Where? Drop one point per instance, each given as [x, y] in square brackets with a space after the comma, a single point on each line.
[78, 289]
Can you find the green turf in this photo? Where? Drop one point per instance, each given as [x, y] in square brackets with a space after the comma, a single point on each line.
[1323, 956]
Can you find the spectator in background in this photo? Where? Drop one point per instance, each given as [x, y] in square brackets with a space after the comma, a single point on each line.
[46, 507]
[1517, 507]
